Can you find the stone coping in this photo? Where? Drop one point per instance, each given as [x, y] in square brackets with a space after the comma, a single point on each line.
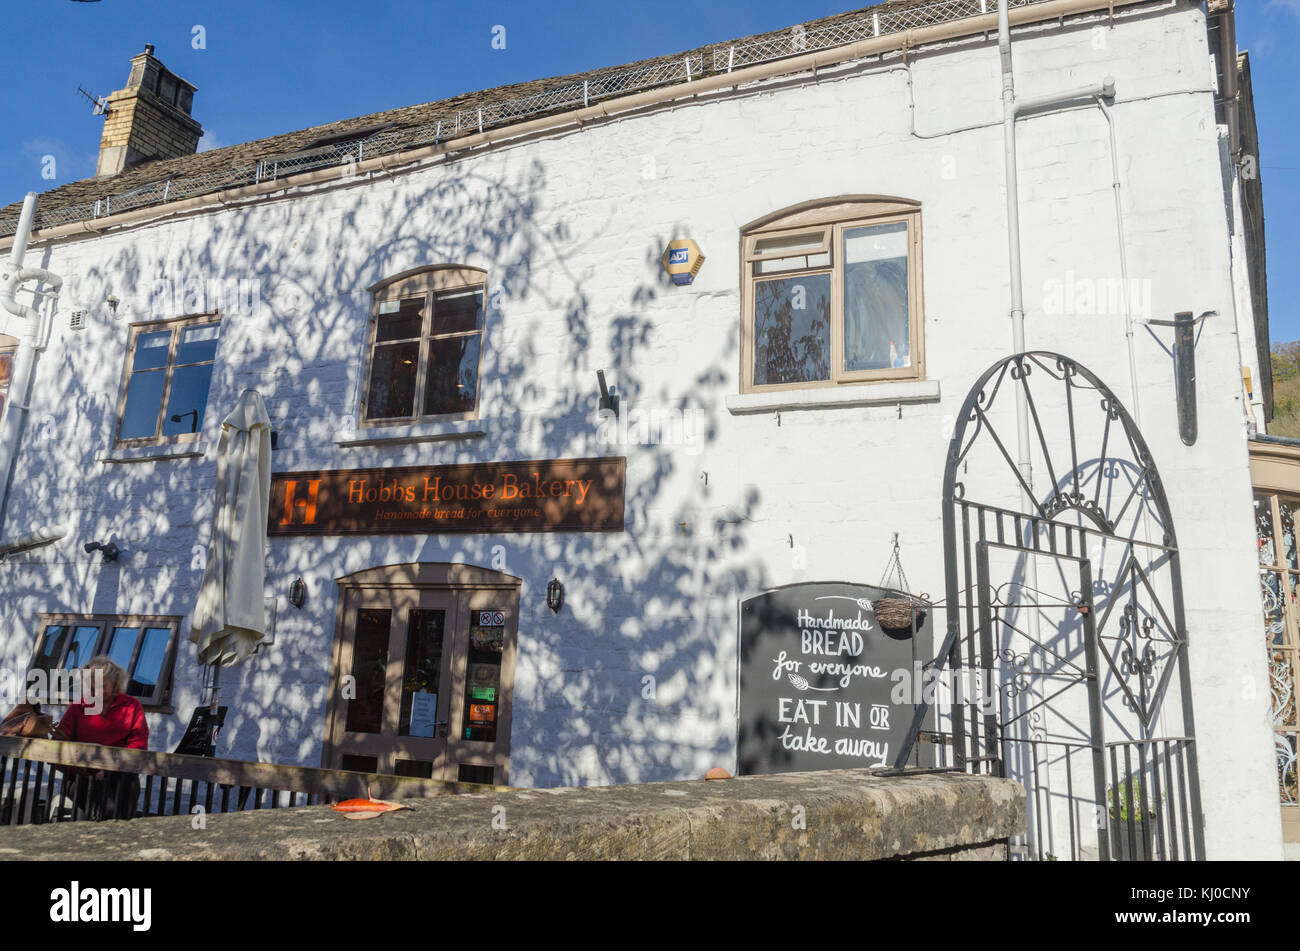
[831, 815]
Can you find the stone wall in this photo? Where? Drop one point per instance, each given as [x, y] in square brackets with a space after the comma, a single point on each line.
[836, 815]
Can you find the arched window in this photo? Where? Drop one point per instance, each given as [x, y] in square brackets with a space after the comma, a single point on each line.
[832, 294]
[426, 341]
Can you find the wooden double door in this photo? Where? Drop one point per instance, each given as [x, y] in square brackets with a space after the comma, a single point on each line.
[424, 660]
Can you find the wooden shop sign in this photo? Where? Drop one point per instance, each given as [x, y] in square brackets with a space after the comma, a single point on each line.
[554, 495]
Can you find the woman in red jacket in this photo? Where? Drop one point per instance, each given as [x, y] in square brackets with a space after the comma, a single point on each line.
[109, 716]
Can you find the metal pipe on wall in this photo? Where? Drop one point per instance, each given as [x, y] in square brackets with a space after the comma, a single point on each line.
[1023, 459]
[20, 385]
[1136, 405]
[1011, 112]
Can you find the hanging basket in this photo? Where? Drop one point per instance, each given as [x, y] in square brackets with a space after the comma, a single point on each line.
[898, 610]
[896, 613]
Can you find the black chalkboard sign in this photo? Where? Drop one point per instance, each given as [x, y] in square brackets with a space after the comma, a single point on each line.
[818, 679]
[200, 737]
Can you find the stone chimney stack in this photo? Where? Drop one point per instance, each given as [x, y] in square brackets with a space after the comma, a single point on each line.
[149, 119]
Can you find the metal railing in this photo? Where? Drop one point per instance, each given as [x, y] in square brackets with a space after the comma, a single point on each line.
[44, 781]
[494, 115]
[1147, 815]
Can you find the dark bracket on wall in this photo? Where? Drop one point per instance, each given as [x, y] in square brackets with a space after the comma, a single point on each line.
[1185, 376]
[1186, 332]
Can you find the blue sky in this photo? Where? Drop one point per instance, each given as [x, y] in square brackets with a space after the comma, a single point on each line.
[274, 67]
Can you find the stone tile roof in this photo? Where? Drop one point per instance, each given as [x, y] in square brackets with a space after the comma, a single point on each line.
[902, 14]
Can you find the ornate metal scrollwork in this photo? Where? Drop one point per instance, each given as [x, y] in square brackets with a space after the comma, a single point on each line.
[1131, 665]
[1018, 683]
[1096, 522]
[1037, 726]
[1058, 502]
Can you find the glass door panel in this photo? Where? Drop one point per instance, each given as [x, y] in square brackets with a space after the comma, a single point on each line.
[365, 709]
[422, 675]
[483, 676]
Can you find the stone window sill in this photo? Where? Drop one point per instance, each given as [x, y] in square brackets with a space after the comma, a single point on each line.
[411, 433]
[189, 450]
[834, 397]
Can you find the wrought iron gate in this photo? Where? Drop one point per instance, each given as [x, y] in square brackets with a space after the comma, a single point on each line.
[1065, 660]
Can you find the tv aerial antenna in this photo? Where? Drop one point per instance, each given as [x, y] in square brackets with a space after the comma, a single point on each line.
[99, 102]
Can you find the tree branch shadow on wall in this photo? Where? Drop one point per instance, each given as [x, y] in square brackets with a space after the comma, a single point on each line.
[656, 601]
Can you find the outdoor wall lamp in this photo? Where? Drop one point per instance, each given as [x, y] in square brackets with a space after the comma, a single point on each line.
[608, 398]
[298, 593]
[555, 595]
[110, 550]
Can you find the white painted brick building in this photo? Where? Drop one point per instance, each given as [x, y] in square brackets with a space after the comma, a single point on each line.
[750, 492]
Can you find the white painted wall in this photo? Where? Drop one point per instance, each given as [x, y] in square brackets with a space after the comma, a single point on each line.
[570, 229]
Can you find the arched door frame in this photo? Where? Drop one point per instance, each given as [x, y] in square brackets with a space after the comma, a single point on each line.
[477, 589]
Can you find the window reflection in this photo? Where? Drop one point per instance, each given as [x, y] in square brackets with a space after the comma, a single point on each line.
[400, 320]
[370, 668]
[876, 332]
[453, 375]
[149, 664]
[483, 670]
[188, 399]
[422, 673]
[56, 637]
[140, 649]
[198, 344]
[151, 350]
[143, 400]
[392, 381]
[424, 359]
[82, 648]
[792, 329]
[458, 311]
[832, 294]
[121, 648]
[166, 394]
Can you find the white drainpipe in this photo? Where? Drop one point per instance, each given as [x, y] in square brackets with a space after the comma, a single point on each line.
[1123, 265]
[1013, 241]
[12, 274]
[1011, 111]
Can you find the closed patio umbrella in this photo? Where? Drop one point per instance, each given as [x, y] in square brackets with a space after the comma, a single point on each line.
[230, 616]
